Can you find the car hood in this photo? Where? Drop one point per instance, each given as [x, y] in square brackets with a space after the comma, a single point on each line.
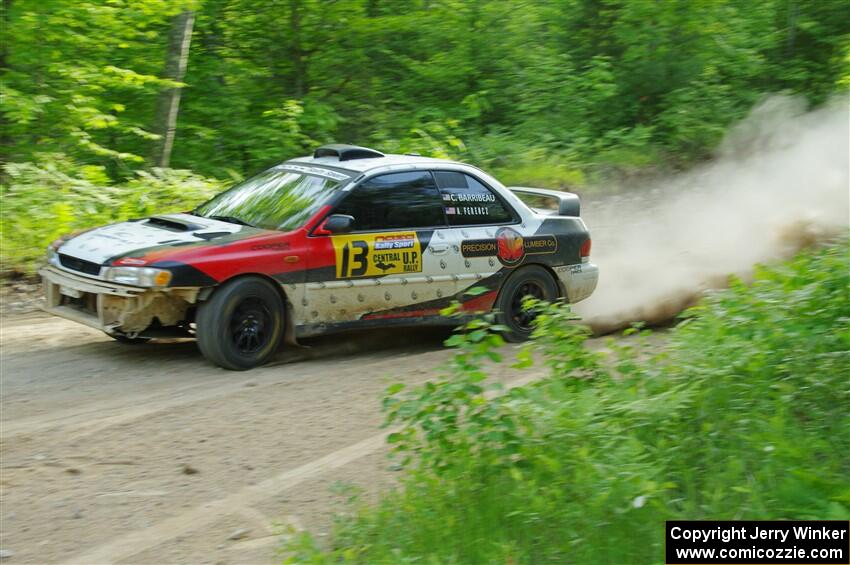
[100, 245]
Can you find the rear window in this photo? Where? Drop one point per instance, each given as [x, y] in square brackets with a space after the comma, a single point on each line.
[467, 201]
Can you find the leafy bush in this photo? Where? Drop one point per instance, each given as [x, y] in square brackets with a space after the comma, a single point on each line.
[47, 199]
[743, 415]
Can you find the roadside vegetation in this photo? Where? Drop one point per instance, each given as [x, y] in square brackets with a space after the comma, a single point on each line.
[742, 415]
[55, 197]
[579, 94]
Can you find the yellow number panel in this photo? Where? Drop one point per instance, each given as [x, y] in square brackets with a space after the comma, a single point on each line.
[376, 254]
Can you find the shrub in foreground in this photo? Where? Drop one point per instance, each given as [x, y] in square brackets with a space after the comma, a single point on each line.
[743, 414]
[45, 200]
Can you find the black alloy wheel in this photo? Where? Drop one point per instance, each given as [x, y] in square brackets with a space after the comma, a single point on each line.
[522, 316]
[250, 325]
[530, 281]
[241, 325]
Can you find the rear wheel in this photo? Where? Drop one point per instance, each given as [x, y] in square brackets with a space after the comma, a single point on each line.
[533, 281]
[241, 325]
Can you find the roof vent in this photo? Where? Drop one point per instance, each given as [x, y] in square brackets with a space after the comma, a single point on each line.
[346, 152]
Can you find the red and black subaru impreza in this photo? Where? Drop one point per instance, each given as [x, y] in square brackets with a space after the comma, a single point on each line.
[348, 237]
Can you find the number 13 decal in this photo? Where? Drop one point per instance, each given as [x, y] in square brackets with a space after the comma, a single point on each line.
[355, 259]
[377, 254]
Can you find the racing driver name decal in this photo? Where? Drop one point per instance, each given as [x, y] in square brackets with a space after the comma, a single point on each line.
[509, 246]
[373, 255]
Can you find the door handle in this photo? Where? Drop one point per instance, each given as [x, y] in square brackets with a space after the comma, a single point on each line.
[439, 248]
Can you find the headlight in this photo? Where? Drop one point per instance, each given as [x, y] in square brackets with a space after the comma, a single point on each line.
[139, 276]
[52, 256]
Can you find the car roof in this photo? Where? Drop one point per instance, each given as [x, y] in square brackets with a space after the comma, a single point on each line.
[357, 159]
[363, 165]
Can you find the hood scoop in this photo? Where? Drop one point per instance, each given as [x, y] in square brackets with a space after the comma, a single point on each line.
[211, 234]
[172, 224]
[171, 231]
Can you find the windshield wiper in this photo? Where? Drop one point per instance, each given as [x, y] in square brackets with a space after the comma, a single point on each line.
[232, 220]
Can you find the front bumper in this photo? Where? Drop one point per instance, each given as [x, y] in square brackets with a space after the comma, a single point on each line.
[579, 280]
[112, 307]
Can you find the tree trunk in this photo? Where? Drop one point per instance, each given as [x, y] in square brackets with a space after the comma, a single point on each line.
[296, 51]
[793, 13]
[168, 105]
[5, 124]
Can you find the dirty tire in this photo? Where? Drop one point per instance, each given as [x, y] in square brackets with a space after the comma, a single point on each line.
[126, 340]
[533, 281]
[241, 325]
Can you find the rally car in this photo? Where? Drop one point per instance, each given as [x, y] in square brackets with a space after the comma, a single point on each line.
[346, 238]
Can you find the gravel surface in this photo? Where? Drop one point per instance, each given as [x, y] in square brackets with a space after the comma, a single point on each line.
[20, 297]
[148, 454]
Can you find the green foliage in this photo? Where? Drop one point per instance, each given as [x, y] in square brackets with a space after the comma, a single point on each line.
[547, 172]
[77, 77]
[45, 200]
[454, 415]
[742, 415]
[550, 93]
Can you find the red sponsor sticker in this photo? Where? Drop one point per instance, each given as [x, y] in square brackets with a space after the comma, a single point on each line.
[509, 246]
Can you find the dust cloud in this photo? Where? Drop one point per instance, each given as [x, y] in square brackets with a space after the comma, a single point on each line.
[780, 182]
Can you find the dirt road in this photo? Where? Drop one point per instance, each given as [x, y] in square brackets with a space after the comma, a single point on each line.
[148, 454]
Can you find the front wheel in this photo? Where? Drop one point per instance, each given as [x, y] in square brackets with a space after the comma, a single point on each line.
[241, 325]
[531, 281]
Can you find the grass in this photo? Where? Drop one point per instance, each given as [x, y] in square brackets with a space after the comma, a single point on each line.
[744, 415]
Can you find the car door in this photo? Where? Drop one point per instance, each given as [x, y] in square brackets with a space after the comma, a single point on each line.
[476, 217]
[389, 265]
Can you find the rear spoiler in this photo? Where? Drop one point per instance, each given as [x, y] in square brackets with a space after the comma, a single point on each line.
[568, 203]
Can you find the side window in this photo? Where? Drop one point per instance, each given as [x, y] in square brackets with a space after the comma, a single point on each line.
[468, 202]
[394, 201]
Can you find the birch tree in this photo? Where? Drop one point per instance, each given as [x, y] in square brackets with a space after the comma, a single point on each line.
[168, 105]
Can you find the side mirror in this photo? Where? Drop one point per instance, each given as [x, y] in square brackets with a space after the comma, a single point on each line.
[338, 223]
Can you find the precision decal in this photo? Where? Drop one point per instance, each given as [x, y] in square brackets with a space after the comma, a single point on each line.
[478, 248]
[373, 255]
[509, 246]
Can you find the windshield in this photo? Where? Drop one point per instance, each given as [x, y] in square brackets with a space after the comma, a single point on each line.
[278, 199]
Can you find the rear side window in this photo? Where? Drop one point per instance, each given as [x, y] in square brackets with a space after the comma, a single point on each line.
[395, 201]
[468, 202]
